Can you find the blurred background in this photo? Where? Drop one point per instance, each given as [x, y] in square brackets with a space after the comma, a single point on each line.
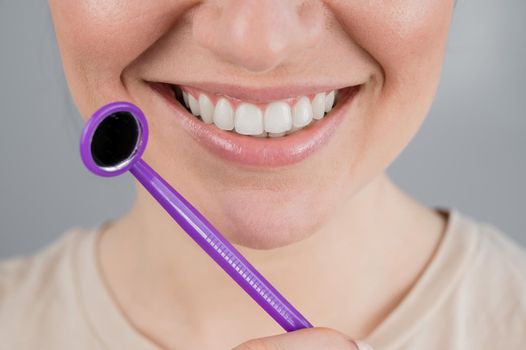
[469, 155]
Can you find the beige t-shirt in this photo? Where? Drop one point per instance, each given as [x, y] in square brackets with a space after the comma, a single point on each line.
[471, 296]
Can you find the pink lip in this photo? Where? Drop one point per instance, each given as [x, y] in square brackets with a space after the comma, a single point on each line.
[260, 152]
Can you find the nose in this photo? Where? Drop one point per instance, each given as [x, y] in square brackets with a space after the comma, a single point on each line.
[258, 35]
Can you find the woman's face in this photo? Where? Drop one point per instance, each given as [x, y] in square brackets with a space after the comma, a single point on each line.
[248, 63]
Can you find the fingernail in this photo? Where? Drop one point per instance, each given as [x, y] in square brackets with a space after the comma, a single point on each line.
[361, 345]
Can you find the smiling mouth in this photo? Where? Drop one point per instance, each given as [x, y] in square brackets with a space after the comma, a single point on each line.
[277, 118]
[254, 129]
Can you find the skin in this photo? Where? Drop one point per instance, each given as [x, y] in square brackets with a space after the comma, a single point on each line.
[339, 217]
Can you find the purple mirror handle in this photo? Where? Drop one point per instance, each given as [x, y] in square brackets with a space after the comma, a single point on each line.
[219, 249]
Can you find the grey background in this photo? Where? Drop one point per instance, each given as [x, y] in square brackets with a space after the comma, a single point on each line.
[468, 155]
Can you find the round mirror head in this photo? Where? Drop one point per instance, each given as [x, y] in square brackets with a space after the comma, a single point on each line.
[113, 139]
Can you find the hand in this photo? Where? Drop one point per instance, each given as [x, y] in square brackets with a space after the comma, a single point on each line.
[318, 338]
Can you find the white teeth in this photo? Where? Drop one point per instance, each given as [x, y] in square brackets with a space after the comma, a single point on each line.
[329, 101]
[185, 98]
[193, 104]
[302, 113]
[318, 105]
[248, 119]
[278, 117]
[207, 109]
[294, 128]
[224, 115]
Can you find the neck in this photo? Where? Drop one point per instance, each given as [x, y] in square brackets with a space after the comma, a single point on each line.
[352, 263]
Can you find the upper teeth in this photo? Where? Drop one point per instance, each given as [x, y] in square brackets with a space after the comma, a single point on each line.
[274, 119]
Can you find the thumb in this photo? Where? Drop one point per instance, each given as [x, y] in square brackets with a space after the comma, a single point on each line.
[318, 338]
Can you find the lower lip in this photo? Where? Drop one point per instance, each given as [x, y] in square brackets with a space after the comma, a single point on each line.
[261, 152]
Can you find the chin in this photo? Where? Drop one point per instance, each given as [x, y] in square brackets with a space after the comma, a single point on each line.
[268, 221]
[268, 232]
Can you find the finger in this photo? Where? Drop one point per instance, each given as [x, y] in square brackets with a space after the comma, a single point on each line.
[317, 338]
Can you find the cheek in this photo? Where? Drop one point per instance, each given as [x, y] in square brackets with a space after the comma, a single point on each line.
[99, 38]
[399, 35]
[406, 39]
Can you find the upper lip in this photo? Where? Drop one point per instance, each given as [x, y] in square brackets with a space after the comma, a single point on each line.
[260, 94]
